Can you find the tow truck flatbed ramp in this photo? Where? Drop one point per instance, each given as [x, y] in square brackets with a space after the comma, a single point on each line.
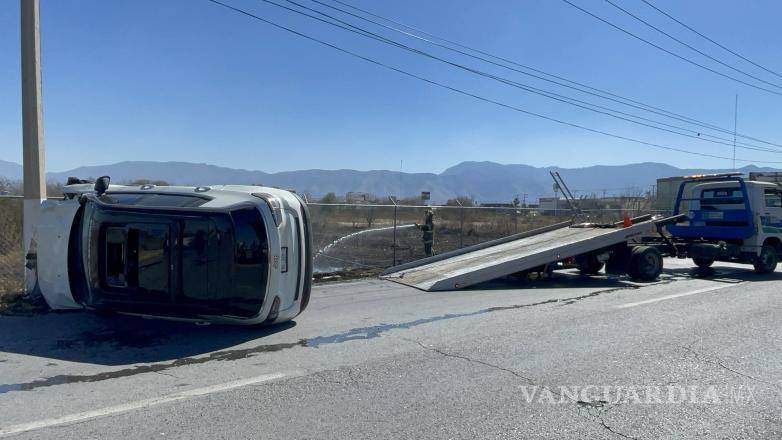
[498, 258]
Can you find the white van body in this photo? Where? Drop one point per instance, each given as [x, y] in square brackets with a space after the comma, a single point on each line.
[227, 253]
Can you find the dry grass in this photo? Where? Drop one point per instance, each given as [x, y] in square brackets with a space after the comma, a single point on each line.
[371, 250]
[11, 259]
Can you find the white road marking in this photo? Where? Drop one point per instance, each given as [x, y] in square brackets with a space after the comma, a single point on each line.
[677, 295]
[132, 406]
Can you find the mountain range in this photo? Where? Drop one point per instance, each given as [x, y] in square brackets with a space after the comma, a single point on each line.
[483, 181]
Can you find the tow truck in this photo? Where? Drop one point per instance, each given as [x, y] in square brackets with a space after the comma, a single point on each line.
[727, 218]
[717, 217]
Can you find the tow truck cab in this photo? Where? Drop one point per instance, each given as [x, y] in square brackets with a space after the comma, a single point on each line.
[236, 254]
[729, 219]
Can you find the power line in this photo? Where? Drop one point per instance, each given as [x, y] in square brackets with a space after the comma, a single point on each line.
[674, 54]
[688, 45]
[473, 95]
[551, 95]
[590, 90]
[709, 39]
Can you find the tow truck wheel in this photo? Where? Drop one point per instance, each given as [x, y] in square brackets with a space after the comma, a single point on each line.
[646, 263]
[703, 263]
[589, 264]
[766, 262]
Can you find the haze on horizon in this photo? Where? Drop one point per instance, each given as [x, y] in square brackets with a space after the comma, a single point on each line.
[190, 81]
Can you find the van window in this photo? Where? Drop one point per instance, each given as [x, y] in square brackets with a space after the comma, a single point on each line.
[251, 257]
[151, 249]
[773, 198]
[136, 258]
[116, 256]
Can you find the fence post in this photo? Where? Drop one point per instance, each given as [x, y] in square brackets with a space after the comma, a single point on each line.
[461, 223]
[393, 247]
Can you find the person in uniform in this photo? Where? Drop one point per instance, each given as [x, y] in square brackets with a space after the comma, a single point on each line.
[427, 232]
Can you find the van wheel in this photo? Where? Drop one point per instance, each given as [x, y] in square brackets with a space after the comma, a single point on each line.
[766, 262]
[589, 264]
[703, 263]
[646, 263]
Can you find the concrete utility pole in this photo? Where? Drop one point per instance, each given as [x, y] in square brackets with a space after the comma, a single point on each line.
[32, 121]
[735, 122]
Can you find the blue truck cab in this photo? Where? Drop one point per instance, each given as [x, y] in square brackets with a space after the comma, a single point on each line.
[728, 218]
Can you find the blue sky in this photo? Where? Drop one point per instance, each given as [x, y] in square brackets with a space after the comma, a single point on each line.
[189, 80]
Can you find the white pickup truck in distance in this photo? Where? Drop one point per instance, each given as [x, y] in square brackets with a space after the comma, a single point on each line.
[228, 253]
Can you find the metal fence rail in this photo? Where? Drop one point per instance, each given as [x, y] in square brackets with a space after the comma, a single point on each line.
[374, 236]
[354, 236]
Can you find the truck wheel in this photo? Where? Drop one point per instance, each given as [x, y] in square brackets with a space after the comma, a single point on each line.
[703, 263]
[646, 263]
[589, 264]
[766, 262]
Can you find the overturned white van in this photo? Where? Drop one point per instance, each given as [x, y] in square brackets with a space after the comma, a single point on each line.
[228, 253]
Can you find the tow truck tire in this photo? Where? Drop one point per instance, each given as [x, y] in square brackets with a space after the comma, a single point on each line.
[703, 263]
[646, 263]
[589, 265]
[767, 261]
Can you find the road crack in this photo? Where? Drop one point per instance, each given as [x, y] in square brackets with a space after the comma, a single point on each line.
[469, 359]
[715, 360]
[601, 406]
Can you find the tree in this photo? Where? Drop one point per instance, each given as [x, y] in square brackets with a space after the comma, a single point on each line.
[329, 198]
[54, 189]
[12, 187]
[369, 216]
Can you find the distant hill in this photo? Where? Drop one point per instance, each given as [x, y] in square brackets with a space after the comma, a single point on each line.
[484, 181]
[10, 170]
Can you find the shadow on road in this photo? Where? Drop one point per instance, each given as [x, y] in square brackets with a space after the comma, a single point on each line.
[572, 279]
[723, 274]
[117, 339]
[560, 280]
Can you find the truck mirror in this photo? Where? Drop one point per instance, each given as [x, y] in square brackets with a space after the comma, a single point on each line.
[102, 184]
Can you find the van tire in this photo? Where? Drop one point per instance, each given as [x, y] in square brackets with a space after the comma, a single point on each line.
[646, 263]
[767, 261]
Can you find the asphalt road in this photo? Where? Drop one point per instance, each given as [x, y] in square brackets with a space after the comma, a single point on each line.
[695, 355]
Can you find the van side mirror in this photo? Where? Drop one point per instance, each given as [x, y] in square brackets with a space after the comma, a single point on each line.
[102, 184]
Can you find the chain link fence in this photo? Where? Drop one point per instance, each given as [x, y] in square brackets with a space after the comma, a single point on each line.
[11, 259]
[373, 237]
[349, 237]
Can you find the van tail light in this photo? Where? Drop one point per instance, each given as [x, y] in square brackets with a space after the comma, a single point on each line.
[275, 205]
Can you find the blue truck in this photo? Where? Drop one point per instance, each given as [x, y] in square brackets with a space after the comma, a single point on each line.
[723, 217]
